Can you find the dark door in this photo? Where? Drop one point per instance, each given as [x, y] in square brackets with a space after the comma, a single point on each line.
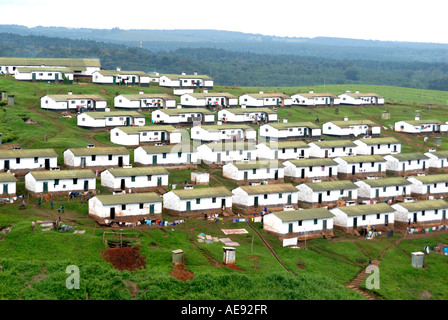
[289, 199]
[386, 219]
[83, 162]
[188, 157]
[188, 206]
[151, 209]
[128, 121]
[6, 164]
[353, 170]
[163, 136]
[319, 200]
[45, 186]
[372, 150]
[326, 153]
[276, 175]
[123, 184]
[246, 175]
[290, 228]
[120, 161]
[377, 193]
[276, 154]
[443, 214]
[355, 223]
[5, 188]
[305, 132]
[154, 159]
[56, 76]
[114, 80]
[379, 168]
[218, 157]
[159, 181]
[256, 202]
[303, 174]
[424, 165]
[330, 172]
[324, 224]
[33, 76]
[112, 213]
[415, 217]
[86, 185]
[223, 203]
[47, 164]
[404, 166]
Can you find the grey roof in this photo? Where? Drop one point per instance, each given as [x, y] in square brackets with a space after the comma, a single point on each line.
[409, 156]
[67, 97]
[313, 162]
[7, 177]
[104, 115]
[257, 164]
[27, 153]
[334, 144]
[272, 188]
[432, 178]
[363, 159]
[63, 174]
[138, 171]
[332, 185]
[306, 214]
[99, 151]
[424, 205]
[367, 209]
[375, 141]
[387, 182]
[147, 197]
[202, 193]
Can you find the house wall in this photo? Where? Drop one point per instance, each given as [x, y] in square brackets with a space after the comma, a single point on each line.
[402, 126]
[330, 128]
[227, 116]
[28, 163]
[436, 162]
[208, 156]
[310, 172]
[65, 185]
[342, 220]
[240, 197]
[377, 168]
[11, 188]
[297, 132]
[368, 192]
[393, 164]
[429, 216]
[140, 182]
[307, 195]
[317, 152]
[380, 149]
[96, 208]
[274, 224]
[232, 172]
[264, 152]
[100, 160]
[172, 202]
[43, 76]
[420, 188]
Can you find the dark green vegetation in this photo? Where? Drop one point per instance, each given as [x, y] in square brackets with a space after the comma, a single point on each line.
[269, 62]
[33, 265]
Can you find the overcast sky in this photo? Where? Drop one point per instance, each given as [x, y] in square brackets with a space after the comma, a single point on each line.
[396, 20]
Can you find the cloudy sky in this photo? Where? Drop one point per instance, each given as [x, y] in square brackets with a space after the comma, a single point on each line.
[396, 20]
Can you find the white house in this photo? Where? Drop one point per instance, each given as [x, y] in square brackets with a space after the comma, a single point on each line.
[381, 146]
[62, 182]
[292, 130]
[217, 153]
[332, 148]
[379, 216]
[261, 99]
[101, 120]
[421, 212]
[361, 166]
[121, 77]
[188, 116]
[125, 207]
[198, 201]
[73, 102]
[144, 101]
[96, 157]
[133, 136]
[271, 171]
[7, 184]
[346, 128]
[223, 132]
[421, 126]
[28, 159]
[312, 99]
[184, 81]
[283, 150]
[435, 185]
[208, 100]
[247, 115]
[402, 163]
[312, 168]
[384, 188]
[180, 154]
[137, 179]
[327, 192]
[360, 99]
[272, 197]
[303, 224]
[438, 159]
[44, 74]
[80, 67]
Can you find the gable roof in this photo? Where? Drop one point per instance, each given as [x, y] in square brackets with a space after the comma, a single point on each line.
[138, 96]
[63, 174]
[172, 148]
[409, 156]
[186, 76]
[387, 182]
[348, 123]
[146, 197]
[423, 205]
[202, 193]
[203, 95]
[232, 146]
[334, 144]
[137, 129]
[272, 188]
[175, 112]
[99, 151]
[360, 94]
[268, 95]
[287, 144]
[67, 97]
[306, 214]
[104, 115]
[27, 153]
[7, 177]
[375, 141]
[331, 185]
[257, 164]
[313, 162]
[250, 110]
[74, 63]
[216, 127]
[432, 178]
[363, 159]
[440, 154]
[138, 171]
[122, 72]
[315, 95]
[420, 122]
[366, 209]
[284, 126]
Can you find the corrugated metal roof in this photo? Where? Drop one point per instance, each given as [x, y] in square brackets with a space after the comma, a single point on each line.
[375, 141]
[104, 115]
[172, 148]
[386, 182]
[122, 72]
[367, 209]
[15, 61]
[233, 145]
[46, 69]
[27, 153]
[176, 111]
[422, 122]
[99, 151]
[312, 162]
[134, 130]
[67, 97]
[202, 193]
[147, 197]
[440, 154]
[258, 164]
[288, 144]
[361, 95]
[432, 178]
[332, 185]
[363, 159]
[409, 156]
[186, 76]
[424, 205]
[284, 126]
[250, 110]
[147, 96]
[63, 174]
[202, 95]
[316, 95]
[268, 95]
[348, 123]
[271, 188]
[138, 171]
[306, 214]
[334, 144]
[226, 126]
[7, 177]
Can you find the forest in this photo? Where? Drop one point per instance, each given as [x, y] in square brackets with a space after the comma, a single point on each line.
[235, 68]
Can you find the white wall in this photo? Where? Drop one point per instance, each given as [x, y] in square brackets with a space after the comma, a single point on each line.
[143, 181]
[231, 172]
[366, 191]
[133, 209]
[272, 199]
[306, 194]
[274, 224]
[381, 149]
[172, 202]
[28, 163]
[309, 172]
[64, 185]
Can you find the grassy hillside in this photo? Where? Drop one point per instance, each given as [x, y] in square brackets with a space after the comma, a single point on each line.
[34, 263]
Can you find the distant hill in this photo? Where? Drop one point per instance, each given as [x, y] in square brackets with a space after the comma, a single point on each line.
[324, 47]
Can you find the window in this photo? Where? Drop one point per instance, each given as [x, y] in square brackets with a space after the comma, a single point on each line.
[75, 181]
[436, 211]
[254, 171]
[311, 169]
[373, 164]
[123, 207]
[342, 192]
[423, 213]
[109, 157]
[133, 179]
[17, 160]
[35, 159]
[179, 154]
[280, 195]
[299, 223]
[164, 155]
[378, 216]
[141, 205]
[363, 217]
[265, 196]
[149, 177]
[56, 182]
[93, 157]
[397, 188]
[328, 192]
[198, 201]
[213, 200]
[315, 221]
[384, 189]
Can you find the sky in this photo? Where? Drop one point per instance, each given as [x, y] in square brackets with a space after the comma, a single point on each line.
[388, 20]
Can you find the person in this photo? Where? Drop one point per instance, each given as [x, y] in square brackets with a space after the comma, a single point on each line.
[317, 119]
[370, 261]
[51, 205]
[62, 208]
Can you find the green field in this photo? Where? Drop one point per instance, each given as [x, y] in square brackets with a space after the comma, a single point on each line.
[33, 264]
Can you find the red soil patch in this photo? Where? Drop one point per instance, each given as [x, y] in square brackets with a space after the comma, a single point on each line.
[180, 273]
[124, 258]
